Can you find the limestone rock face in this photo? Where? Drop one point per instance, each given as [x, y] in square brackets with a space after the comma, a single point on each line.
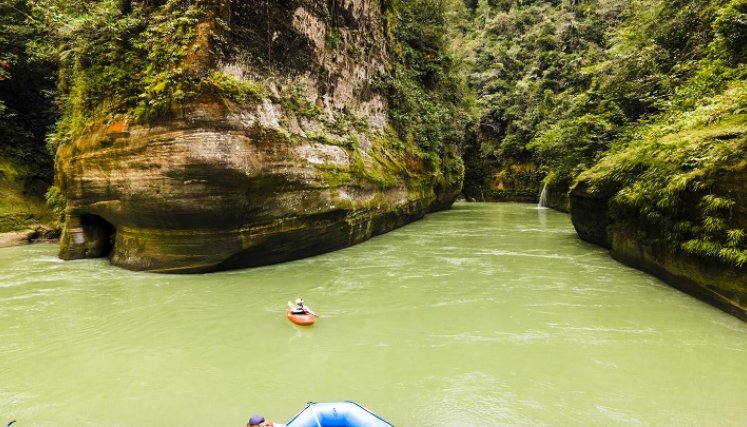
[557, 197]
[720, 284]
[24, 214]
[303, 168]
[589, 215]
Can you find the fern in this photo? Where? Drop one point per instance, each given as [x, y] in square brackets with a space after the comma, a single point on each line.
[734, 237]
[702, 247]
[712, 203]
[733, 256]
[714, 224]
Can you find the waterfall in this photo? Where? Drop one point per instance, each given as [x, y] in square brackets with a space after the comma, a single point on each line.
[543, 198]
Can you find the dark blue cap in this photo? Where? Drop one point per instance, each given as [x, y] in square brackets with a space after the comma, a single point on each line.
[256, 420]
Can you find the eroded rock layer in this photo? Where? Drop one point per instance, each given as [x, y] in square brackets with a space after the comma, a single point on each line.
[300, 162]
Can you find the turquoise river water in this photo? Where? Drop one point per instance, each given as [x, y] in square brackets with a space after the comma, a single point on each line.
[483, 315]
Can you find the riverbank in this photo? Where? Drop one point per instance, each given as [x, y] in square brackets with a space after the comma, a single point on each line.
[38, 234]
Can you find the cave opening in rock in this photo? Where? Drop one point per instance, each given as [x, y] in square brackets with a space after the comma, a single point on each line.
[99, 235]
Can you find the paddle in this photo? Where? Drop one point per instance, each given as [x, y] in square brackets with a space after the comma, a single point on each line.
[10, 423]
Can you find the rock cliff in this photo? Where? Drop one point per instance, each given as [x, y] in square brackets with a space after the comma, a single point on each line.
[24, 215]
[647, 243]
[285, 150]
[492, 177]
[672, 201]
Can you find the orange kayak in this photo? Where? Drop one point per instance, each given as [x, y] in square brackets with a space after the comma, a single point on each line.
[301, 319]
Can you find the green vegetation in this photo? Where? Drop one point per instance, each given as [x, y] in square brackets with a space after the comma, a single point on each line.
[664, 180]
[643, 99]
[667, 170]
[231, 88]
[26, 109]
[429, 101]
[530, 65]
[133, 62]
[26, 113]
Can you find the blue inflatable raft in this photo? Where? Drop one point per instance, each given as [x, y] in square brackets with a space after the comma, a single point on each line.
[337, 414]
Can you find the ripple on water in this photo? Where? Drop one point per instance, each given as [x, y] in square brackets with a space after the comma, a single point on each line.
[499, 406]
[620, 416]
[544, 231]
[524, 337]
[529, 254]
[48, 260]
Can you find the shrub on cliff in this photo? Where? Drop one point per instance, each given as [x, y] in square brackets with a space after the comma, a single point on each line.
[143, 59]
[658, 59]
[530, 64]
[26, 113]
[115, 63]
[429, 101]
[563, 82]
[26, 109]
[664, 173]
[666, 180]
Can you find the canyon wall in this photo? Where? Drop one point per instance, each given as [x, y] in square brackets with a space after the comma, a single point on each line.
[288, 153]
[637, 243]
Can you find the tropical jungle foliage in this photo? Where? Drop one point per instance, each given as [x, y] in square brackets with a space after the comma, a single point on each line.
[429, 100]
[96, 60]
[27, 111]
[644, 98]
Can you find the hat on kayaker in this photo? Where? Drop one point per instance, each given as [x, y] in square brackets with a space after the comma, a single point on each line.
[256, 419]
[299, 301]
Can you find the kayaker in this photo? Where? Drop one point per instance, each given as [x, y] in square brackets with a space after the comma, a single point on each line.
[259, 421]
[301, 308]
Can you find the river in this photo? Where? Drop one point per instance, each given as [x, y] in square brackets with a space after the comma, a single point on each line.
[483, 315]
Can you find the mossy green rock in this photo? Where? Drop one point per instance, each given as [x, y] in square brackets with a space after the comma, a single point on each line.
[187, 196]
[589, 214]
[304, 165]
[718, 283]
[22, 205]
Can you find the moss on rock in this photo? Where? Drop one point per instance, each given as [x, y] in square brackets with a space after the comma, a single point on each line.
[275, 149]
[674, 201]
